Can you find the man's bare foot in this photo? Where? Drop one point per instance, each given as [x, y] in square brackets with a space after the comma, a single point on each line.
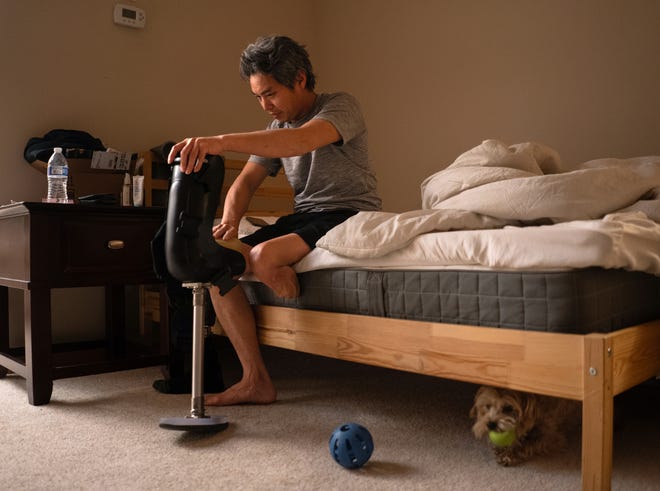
[243, 392]
[284, 282]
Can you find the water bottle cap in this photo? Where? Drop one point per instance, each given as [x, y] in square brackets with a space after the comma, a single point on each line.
[57, 149]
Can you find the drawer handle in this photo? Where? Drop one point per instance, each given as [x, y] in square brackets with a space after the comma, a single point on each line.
[115, 244]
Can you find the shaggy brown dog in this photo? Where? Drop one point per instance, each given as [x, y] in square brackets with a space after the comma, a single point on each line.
[541, 424]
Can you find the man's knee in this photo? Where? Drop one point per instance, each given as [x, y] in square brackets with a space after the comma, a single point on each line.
[258, 258]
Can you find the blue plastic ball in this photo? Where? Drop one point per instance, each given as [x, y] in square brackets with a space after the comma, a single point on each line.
[351, 445]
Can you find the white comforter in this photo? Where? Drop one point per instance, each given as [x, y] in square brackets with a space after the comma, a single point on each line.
[512, 207]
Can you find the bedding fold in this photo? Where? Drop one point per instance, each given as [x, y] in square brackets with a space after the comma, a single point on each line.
[494, 186]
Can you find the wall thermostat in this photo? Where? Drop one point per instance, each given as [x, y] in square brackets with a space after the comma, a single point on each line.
[127, 15]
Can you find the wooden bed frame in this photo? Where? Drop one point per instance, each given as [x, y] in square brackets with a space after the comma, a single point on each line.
[591, 368]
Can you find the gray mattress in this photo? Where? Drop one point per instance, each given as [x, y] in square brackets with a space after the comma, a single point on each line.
[576, 301]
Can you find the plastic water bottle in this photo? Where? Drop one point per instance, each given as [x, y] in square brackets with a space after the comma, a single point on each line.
[58, 175]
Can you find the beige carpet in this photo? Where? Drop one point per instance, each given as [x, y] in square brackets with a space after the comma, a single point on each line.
[101, 432]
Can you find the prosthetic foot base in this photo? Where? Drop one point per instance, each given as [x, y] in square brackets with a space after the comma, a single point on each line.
[206, 424]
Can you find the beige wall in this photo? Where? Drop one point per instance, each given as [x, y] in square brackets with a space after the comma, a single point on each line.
[435, 77]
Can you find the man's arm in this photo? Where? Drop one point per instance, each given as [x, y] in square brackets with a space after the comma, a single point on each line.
[238, 199]
[286, 142]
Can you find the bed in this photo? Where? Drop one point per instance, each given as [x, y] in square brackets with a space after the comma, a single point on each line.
[517, 272]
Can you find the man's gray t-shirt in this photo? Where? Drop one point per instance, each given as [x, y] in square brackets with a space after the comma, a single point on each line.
[336, 176]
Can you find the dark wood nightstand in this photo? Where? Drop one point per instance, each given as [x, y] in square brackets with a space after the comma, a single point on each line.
[45, 246]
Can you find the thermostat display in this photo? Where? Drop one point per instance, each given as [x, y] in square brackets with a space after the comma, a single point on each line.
[127, 15]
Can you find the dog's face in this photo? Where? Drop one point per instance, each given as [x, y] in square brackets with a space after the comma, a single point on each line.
[540, 423]
[501, 410]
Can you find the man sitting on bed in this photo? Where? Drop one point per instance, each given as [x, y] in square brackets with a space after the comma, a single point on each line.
[321, 142]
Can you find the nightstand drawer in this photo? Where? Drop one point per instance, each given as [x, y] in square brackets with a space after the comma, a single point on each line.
[52, 245]
[108, 248]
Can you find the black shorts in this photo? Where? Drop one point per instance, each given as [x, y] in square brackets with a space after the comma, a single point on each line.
[309, 226]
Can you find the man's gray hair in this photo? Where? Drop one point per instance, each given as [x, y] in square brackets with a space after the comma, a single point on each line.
[278, 56]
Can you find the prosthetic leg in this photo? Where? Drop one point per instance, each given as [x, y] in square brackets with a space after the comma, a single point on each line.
[198, 261]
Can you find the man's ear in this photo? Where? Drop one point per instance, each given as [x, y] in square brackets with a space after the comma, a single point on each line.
[301, 79]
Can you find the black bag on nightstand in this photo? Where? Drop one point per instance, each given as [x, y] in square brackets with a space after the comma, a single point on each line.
[75, 144]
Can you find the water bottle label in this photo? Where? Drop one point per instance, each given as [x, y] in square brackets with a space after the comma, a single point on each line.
[58, 171]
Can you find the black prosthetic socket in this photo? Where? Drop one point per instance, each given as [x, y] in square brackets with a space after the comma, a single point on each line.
[192, 254]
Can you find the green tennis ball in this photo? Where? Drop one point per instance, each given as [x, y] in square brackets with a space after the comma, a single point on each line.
[502, 438]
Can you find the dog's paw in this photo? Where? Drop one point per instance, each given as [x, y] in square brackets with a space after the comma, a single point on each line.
[506, 459]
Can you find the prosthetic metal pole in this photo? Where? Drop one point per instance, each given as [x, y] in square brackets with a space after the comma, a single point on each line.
[198, 420]
[197, 396]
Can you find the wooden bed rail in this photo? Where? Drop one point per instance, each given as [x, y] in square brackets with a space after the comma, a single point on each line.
[538, 362]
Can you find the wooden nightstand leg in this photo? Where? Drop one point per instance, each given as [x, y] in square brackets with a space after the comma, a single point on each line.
[4, 325]
[38, 346]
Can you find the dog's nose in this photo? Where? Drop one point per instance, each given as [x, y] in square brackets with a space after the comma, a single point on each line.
[492, 425]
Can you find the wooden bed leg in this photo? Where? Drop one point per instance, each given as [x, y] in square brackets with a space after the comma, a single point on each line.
[597, 414]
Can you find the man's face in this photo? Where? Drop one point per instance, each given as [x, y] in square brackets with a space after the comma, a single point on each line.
[282, 103]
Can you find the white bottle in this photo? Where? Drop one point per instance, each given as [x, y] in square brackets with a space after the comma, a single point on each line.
[126, 190]
[58, 175]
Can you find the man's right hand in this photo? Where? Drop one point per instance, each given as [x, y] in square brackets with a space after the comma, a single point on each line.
[225, 231]
[193, 151]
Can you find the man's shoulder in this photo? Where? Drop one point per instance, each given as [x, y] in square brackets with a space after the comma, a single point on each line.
[339, 97]
[341, 102]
